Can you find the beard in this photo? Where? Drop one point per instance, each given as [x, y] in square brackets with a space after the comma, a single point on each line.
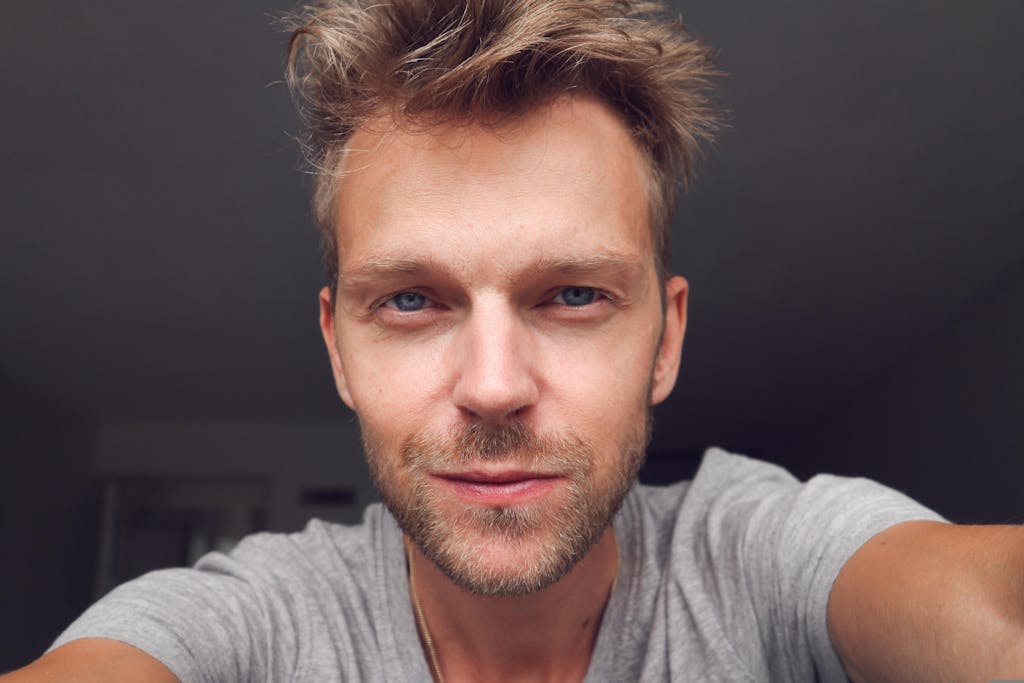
[506, 550]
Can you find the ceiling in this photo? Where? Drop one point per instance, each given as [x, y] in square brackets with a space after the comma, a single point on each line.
[158, 260]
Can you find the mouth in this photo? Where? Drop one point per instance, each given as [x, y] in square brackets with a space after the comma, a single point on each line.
[498, 488]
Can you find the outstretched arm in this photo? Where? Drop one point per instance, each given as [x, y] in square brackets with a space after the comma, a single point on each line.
[92, 660]
[927, 601]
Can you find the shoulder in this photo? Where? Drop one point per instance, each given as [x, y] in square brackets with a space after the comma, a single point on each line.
[321, 548]
[750, 553]
[734, 494]
[252, 612]
[760, 549]
[723, 482]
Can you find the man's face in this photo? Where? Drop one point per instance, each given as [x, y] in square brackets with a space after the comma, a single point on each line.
[498, 330]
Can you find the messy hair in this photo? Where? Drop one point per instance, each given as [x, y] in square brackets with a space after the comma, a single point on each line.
[429, 61]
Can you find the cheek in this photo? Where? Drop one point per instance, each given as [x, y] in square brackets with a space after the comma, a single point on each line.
[601, 390]
[393, 386]
[612, 369]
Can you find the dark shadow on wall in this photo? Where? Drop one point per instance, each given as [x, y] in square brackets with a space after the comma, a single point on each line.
[49, 507]
[945, 424]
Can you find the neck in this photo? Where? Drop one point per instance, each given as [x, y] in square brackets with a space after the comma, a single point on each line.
[548, 635]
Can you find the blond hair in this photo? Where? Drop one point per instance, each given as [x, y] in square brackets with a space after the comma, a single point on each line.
[424, 61]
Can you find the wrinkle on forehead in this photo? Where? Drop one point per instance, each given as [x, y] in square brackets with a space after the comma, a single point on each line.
[405, 193]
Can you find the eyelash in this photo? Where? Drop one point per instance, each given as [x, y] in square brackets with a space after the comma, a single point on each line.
[390, 299]
[599, 295]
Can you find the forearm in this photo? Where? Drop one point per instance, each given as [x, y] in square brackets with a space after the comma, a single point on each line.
[933, 602]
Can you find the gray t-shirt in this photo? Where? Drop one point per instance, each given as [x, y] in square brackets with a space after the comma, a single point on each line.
[723, 578]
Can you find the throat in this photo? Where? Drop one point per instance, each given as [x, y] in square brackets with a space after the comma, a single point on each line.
[548, 635]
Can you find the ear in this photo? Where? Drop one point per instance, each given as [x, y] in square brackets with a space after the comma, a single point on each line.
[330, 340]
[666, 363]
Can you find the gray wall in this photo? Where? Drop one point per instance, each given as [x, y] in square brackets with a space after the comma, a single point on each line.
[48, 520]
[54, 464]
[290, 455]
[945, 424]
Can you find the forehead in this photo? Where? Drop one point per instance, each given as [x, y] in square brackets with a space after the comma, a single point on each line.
[565, 180]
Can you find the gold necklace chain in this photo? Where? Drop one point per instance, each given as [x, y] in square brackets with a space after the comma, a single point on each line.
[435, 667]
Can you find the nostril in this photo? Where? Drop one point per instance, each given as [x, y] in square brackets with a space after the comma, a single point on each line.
[497, 414]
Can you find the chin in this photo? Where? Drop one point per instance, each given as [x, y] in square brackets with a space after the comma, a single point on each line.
[498, 569]
[505, 552]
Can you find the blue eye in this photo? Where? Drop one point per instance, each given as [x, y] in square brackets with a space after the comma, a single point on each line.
[576, 296]
[407, 301]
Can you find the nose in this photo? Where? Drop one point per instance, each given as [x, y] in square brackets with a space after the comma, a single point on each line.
[495, 380]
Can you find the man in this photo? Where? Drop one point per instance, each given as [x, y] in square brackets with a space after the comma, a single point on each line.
[494, 186]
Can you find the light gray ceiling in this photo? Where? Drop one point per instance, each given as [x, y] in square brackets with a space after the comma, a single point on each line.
[158, 260]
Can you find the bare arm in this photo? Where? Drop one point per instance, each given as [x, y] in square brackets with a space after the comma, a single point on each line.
[93, 660]
[925, 601]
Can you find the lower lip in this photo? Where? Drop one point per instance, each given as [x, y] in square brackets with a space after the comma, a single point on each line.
[501, 493]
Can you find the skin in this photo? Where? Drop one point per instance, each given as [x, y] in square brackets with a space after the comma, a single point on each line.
[93, 660]
[483, 212]
[932, 603]
[491, 225]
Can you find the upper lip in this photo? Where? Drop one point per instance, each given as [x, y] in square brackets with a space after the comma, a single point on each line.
[495, 477]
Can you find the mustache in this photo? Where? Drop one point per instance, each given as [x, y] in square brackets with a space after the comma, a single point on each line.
[513, 442]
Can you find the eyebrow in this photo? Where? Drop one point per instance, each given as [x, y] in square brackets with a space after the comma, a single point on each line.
[377, 268]
[605, 262]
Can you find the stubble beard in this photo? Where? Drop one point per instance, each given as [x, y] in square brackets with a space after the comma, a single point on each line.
[538, 542]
